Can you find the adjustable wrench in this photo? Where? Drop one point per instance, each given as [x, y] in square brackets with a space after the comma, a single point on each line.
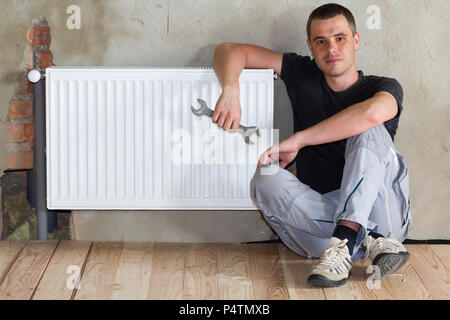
[205, 111]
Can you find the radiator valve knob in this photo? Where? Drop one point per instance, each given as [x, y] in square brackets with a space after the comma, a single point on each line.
[34, 76]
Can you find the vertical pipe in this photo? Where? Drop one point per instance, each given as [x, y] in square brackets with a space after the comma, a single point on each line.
[32, 195]
[39, 123]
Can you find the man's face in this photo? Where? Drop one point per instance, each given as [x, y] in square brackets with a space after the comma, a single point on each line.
[333, 45]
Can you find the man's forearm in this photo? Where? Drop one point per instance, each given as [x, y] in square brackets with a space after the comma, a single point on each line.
[228, 63]
[351, 121]
[344, 124]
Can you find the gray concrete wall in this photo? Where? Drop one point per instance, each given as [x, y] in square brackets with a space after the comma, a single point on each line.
[411, 45]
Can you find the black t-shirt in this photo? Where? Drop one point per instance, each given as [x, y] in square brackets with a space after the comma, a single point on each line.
[321, 166]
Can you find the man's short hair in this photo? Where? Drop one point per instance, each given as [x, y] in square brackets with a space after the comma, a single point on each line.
[328, 11]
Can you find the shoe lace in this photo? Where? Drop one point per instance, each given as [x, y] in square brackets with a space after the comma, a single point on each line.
[369, 243]
[375, 246]
[332, 255]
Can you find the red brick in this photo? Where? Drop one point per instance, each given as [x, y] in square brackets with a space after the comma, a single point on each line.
[20, 133]
[20, 160]
[39, 36]
[46, 59]
[29, 56]
[19, 147]
[20, 109]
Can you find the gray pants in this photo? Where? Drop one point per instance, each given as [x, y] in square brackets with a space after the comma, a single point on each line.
[374, 193]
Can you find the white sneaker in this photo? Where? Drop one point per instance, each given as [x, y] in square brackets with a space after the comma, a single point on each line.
[386, 253]
[334, 266]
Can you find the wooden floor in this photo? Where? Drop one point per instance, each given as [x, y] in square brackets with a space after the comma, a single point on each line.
[117, 270]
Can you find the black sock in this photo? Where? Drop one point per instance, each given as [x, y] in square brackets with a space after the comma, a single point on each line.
[375, 235]
[343, 232]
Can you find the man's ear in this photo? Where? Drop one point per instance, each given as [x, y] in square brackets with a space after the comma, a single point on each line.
[309, 45]
[356, 39]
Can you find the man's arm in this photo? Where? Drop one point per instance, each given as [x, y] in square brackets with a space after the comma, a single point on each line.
[351, 121]
[229, 61]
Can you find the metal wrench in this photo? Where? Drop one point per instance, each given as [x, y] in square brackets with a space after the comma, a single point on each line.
[205, 111]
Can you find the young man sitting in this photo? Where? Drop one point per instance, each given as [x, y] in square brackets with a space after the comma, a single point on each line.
[349, 197]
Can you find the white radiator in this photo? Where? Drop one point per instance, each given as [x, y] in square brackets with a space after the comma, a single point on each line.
[126, 139]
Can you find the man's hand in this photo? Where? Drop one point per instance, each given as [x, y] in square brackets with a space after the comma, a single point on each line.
[227, 113]
[285, 152]
[229, 61]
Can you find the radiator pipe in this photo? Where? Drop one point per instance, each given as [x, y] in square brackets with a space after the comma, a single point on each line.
[32, 195]
[39, 134]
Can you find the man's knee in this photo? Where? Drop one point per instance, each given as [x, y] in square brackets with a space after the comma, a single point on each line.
[265, 181]
[376, 139]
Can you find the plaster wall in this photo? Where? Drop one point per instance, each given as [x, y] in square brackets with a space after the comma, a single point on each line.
[411, 45]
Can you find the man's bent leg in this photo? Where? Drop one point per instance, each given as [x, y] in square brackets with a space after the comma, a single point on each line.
[392, 211]
[302, 217]
[369, 161]
[391, 214]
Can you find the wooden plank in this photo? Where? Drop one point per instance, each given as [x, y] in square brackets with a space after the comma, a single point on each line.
[63, 270]
[9, 251]
[355, 288]
[405, 284]
[362, 285]
[166, 279]
[133, 275]
[97, 280]
[296, 269]
[443, 252]
[233, 275]
[25, 273]
[200, 272]
[431, 270]
[266, 272]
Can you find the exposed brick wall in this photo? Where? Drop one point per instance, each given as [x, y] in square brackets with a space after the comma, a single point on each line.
[17, 217]
[19, 123]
